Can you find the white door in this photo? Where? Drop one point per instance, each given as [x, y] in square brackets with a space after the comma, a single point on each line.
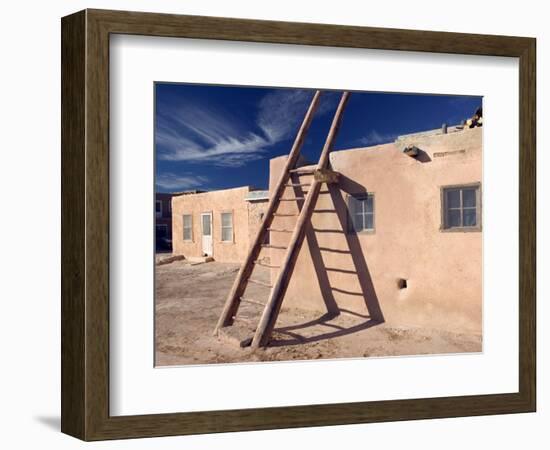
[206, 227]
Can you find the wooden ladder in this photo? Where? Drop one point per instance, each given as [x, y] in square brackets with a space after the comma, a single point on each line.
[321, 174]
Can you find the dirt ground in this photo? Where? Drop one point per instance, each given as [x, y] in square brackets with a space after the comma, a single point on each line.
[189, 299]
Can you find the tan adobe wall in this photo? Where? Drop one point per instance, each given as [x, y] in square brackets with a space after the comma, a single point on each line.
[256, 211]
[228, 200]
[443, 269]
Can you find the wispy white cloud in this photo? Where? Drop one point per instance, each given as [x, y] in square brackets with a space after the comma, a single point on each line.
[171, 181]
[230, 151]
[198, 133]
[280, 113]
[373, 137]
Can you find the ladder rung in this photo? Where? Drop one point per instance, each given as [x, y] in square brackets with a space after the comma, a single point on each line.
[284, 215]
[291, 199]
[327, 230]
[280, 247]
[261, 283]
[261, 263]
[336, 269]
[334, 250]
[345, 291]
[303, 171]
[250, 300]
[298, 184]
[279, 231]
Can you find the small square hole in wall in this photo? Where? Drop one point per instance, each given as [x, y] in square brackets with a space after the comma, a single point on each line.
[402, 283]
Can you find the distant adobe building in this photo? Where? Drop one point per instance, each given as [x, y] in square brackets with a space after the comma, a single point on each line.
[220, 223]
[163, 221]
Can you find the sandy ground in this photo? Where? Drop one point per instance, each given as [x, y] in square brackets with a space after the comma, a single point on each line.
[189, 299]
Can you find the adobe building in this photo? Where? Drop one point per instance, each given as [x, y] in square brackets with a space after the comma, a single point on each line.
[163, 221]
[398, 238]
[221, 224]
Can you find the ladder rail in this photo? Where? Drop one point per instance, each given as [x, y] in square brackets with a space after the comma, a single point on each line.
[273, 306]
[239, 285]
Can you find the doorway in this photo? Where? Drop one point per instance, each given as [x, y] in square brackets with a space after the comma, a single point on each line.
[206, 227]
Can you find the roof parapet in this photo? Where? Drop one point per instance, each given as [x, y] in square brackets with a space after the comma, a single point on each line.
[255, 196]
[444, 129]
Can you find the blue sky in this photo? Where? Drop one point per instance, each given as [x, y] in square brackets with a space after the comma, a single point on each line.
[215, 137]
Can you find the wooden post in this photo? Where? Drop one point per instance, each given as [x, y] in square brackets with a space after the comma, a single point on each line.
[234, 298]
[273, 306]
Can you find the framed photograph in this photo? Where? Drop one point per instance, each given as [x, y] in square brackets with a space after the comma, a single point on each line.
[273, 225]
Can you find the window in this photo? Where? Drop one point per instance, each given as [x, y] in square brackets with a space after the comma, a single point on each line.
[187, 227]
[361, 211]
[461, 208]
[158, 208]
[227, 227]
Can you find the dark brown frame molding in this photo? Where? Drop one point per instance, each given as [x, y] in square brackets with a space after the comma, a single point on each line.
[85, 224]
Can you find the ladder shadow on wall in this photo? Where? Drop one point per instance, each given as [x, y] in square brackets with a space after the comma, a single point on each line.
[374, 315]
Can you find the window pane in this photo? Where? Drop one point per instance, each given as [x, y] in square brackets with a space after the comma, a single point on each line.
[227, 234]
[469, 198]
[206, 225]
[469, 217]
[369, 222]
[187, 221]
[226, 219]
[453, 218]
[360, 207]
[357, 222]
[369, 206]
[187, 234]
[453, 198]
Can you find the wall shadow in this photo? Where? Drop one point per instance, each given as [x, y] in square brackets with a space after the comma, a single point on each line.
[295, 338]
[368, 292]
[363, 273]
[422, 157]
[316, 257]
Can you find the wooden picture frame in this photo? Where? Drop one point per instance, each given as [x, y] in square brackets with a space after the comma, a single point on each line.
[85, 224]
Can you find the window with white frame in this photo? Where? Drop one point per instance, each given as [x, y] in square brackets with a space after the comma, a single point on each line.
[461, 208]
[361, 212]
[187, 227]
[227, 226]
[158, 208]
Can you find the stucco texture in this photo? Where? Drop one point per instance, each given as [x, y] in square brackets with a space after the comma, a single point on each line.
[256, 211]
